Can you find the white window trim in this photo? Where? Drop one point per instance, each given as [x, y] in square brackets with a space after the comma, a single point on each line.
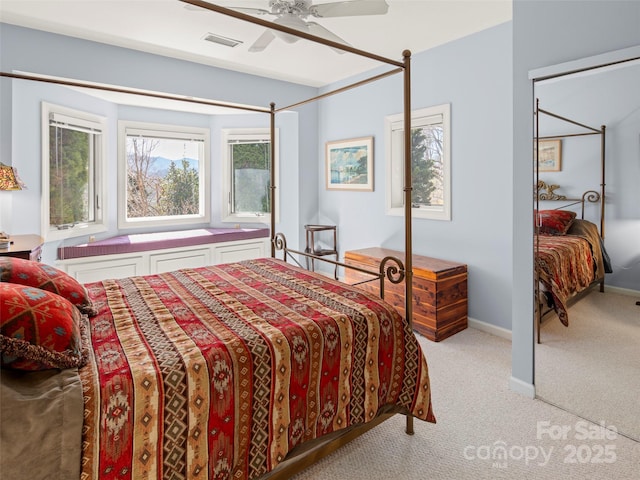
[176, 131]
[99, 224]
[395, 166]
[249, 133]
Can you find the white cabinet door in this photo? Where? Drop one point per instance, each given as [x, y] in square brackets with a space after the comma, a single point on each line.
[177, 259]
[238, 251]
[95, 270]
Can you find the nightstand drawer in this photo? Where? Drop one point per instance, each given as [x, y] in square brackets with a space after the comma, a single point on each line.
[28, 247]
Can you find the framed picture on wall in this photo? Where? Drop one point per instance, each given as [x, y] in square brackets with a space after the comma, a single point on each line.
[550, 156]
[349, 164]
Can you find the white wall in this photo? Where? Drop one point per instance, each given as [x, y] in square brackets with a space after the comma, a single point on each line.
[473, 74]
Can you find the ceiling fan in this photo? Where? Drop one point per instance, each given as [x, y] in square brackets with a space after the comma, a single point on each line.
[294, 13]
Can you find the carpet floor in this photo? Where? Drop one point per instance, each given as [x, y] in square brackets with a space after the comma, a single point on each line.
[592, 367]
[484, 430]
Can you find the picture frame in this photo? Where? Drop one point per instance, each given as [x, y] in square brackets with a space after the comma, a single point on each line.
[550, 156]
[349, 164]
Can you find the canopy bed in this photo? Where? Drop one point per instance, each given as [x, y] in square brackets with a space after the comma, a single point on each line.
[570, 258]
[246, 370]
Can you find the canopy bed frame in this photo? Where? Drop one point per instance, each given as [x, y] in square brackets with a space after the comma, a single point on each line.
[391, 268]
[551, 251]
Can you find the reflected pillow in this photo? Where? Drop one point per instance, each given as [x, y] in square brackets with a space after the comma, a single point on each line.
[40, 330]
[46, 277]
[554, 222]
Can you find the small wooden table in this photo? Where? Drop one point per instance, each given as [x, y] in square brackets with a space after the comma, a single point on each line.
[28, 247]
[439, 290]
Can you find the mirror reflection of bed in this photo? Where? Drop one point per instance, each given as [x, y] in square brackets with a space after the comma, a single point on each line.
[587, 359]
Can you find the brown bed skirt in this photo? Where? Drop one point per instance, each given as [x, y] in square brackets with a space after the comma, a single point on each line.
[40, 424]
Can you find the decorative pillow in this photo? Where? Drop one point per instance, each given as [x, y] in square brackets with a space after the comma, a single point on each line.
[554, 222]
[40, 330]
[46, 277]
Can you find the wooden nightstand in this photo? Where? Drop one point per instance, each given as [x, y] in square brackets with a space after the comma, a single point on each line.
[439, 290]
[28, 247]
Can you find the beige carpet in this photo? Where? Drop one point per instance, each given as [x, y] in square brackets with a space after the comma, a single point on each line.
[477, 413]
[592, 368]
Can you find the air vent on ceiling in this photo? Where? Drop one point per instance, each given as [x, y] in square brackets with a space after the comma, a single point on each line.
[219, 39]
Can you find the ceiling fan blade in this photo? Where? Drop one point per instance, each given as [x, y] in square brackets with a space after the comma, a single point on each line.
[320, 31]
[247, 10]
[263, 41]
[251, 11]
[350, 8]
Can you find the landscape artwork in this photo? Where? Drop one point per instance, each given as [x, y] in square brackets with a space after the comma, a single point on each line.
[349, 164]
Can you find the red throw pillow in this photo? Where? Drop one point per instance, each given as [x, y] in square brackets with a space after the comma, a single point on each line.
[46, 277]
[39, 330]
[554, 222]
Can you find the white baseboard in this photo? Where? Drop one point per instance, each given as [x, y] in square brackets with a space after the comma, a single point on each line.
[621, 291]
[523, 388]
[505, 333]
[489, 328]
[515, 384]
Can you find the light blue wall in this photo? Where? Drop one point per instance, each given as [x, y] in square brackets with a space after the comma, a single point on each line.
[473, 74]
[35, 51]
[26, 146]
[32, 51]
[572, 30]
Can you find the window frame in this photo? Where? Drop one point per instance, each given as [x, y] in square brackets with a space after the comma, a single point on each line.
[168, 131]
[395, 162]
[100, 200]
[228, 216]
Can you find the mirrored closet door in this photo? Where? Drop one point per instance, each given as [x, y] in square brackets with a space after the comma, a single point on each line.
[587, 360]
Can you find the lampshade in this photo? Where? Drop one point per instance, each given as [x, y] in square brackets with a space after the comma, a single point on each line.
[9, 179]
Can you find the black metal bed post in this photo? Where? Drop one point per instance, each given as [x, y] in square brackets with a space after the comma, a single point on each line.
[603, 129]
[603, 197]
[408, 187]
[272, 187]
[536, 287]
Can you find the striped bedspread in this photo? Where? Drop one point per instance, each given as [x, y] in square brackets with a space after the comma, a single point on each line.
[218, 372]
[566, 267]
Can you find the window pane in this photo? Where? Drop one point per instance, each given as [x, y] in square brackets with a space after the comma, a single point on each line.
[427, 165]
[163, 177]
[430, 163]
[250, 166]
[70, 177]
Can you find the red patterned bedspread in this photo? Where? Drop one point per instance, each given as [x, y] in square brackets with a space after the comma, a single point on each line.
[566, 267]
[218, 372]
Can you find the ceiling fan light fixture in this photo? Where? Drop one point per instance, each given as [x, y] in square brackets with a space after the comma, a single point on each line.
[292, 21]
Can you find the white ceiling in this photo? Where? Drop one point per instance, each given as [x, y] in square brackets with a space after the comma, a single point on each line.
[166, 27]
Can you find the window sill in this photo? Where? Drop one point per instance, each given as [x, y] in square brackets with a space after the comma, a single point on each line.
[421, 214]
[266, 219]
[74, 232]
[161, 240]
